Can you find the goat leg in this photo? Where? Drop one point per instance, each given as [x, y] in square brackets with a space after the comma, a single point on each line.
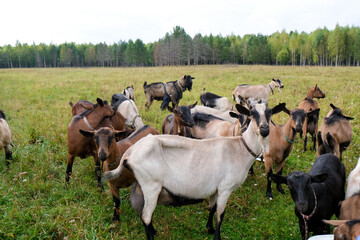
[218, 225]
[8, 156]
[149, 230]
[278, 186]
[70, 163]
[116, 217]
[268, 190]
[209, 224]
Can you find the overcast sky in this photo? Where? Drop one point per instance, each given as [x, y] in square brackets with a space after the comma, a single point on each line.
[80, 21]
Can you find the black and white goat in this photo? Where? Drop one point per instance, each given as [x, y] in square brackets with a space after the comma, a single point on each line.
[215, 101]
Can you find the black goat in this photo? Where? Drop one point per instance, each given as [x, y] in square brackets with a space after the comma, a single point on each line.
[316, 194]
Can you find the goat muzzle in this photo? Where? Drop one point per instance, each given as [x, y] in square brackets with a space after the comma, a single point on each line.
[102, 155]
[264, 130]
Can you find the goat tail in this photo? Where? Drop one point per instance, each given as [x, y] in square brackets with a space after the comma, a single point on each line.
[120, 169]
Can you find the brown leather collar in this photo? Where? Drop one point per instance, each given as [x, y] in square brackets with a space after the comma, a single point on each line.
[247, 147]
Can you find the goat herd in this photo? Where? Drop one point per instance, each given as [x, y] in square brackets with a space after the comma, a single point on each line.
[207, 151]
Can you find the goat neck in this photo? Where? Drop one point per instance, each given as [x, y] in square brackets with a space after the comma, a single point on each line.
[255, 141]
[113, 159]
[289, 132]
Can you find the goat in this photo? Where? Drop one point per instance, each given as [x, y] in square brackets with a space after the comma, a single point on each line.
[167, 92]
[335, 133]
[350, 208]
[167, 166]
[353, 181]
[129, 92]
[281, 141]
[317, 193]
[209, 126]
[212, 100]
[78, 145]
[127, 108]
[256, 91]
[345, 229]
[211, 111]
[110, 152]
[311, 122]
[178, 122]
[5, 138]
[117, 122]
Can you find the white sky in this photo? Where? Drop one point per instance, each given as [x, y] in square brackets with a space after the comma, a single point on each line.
[80, 21]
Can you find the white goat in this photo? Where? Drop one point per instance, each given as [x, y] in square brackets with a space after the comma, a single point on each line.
[184, 170]
[5, 137]
[353, 181]
[256, 91]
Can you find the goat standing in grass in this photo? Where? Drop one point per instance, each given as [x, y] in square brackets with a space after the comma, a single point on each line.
[179, 122]
[316, 194]
[256, 91]
[281, 141]
[174, 170]
[311, 122]
[335, 133]
[110, 152]
[5, 137]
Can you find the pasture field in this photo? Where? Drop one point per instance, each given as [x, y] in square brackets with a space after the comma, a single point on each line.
[34, 203]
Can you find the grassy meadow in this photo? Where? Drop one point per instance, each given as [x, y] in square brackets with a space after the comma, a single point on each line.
[34, 203]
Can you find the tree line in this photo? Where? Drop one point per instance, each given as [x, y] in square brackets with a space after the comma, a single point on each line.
[322, 47]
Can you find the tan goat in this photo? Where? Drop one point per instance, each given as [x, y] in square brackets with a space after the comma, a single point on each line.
[256, 91]
[111, 154]
[335, 133]
[311, 123]
[281, 141]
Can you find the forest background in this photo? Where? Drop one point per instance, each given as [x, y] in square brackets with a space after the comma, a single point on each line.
[322, 47]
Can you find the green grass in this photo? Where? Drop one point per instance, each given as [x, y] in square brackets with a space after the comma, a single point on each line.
[34, 203]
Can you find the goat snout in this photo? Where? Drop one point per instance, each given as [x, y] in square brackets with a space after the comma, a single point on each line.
[264, 130]
[298, 128]
[302, 206]
[102, 155]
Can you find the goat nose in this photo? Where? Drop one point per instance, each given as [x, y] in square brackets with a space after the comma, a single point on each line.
[102, 155]
[302, 206]
[298, 128]
[264, 130]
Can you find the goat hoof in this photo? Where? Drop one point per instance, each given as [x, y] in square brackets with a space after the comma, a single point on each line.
[115, 220]
[210, 229]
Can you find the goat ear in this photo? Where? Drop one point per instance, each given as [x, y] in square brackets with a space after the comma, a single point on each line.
[286, 110]
[193, 105]
[312, 113]
[348, 118]
[335, 223]
[278, 179]
[315, 86]
[332, 106]
[319, 178]
[242, 110]
[87, 133]
[100, 102]
[119, 134]
[278, 108]
[274, 80]
[233, 114]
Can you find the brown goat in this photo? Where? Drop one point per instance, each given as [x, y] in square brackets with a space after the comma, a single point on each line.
[78, 145]
[350, 208]
[345, 229]
[311, 123]
[335, 133]
[177, 123]
[111, 152]
[281, 141]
